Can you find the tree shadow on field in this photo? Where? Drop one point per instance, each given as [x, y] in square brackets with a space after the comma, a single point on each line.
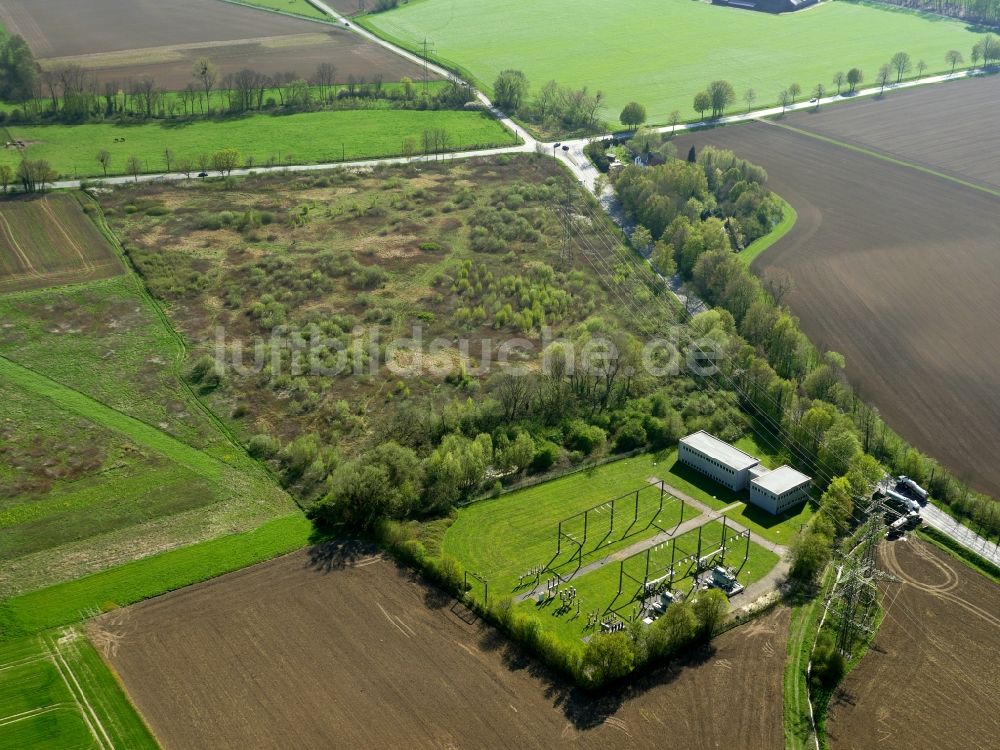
[339, 554]
[588, 709]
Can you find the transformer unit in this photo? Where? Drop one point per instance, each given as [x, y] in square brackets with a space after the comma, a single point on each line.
[912, 489]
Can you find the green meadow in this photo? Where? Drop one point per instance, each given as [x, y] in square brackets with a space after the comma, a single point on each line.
[306, 138]
[662, 52]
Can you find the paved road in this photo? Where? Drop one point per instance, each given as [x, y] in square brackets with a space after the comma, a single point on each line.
[938, 519]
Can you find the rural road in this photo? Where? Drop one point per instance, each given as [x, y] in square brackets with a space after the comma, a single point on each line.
[938, 519]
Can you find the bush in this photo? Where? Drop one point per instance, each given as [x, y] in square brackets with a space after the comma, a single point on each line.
[597, 153]
[205, 372]
[546, 455]
[584, 437]
[632, 435]
[828, 665]
[263, 447]
[368, 277]
[607, 657]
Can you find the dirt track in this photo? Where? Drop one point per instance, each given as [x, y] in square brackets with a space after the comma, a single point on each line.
[897, 270]
[930, 681]
[288, 654]
[121, 39]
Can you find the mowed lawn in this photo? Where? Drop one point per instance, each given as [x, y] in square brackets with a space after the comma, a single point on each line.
[662, 52]
[307, 138]
[505, 537]
[598, 591]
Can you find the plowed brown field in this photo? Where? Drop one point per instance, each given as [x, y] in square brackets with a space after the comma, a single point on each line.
[121, 39]
[896, 269]
[340, 648]
[930, 681]
[947, 128]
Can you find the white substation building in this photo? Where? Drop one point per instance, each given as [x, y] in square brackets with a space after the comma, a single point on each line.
[772, 490]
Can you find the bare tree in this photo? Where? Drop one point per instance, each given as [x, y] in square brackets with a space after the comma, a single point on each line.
[185, 166]
[104, 159]
[749, 96]
[902, 64]
[206, 75]
[778, 283]
[784, 99]
[675, 118]
[168, 158]
[954, 58]
[818, 93]
[133, 165]
[794, 90]
[882, 79]
[325, 78]
[838, 80]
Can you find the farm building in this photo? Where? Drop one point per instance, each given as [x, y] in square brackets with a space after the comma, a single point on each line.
[717, 459]
[777, 491]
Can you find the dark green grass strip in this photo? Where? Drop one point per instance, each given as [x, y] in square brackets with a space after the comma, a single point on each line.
[70, 602]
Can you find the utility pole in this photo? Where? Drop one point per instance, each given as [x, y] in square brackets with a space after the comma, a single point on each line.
[428, 48]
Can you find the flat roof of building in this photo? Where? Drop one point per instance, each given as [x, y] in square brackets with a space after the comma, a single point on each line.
[781, 480]
[720, 450]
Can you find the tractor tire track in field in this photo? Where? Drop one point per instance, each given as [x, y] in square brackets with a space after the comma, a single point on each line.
[942, 592]
[47, 208]
[18, 250]
[929, 680]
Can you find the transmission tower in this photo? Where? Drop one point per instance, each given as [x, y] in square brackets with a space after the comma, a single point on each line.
[859, 579]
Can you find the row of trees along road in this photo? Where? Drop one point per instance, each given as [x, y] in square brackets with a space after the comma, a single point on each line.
[70, 93]
[719, 95]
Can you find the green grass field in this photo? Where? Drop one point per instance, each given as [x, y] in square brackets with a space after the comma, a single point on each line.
[662, 52]
[308, 138]
[70, 602]
[599, 590]
[297, 7]
[502, 538]
[57, 693]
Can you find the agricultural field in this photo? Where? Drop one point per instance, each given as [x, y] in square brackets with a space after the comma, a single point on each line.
[261, 139]
[57, 693]
[893, 267]
[295, 635]
[49, 240]
[118, 40]
[694, 43]
[930, 675]
[298, 7]
[939, 128]
[105, 453]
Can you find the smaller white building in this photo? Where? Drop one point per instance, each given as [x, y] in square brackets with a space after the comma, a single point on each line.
[778, 490]
[717, 459]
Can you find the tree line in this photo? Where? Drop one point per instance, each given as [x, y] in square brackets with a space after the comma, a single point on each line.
[783, 380]
[986, 12]
[70, 93]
